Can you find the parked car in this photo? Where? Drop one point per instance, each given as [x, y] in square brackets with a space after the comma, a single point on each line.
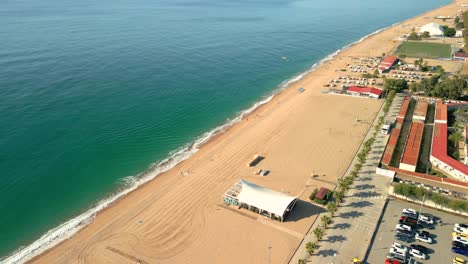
[459, 244]
[407, 219]
[460, 230]
[410, 211]
[404, 227]
[460, 251]
[420, 248]
[404, 238]
[422, 224]
[426, 219]
[458, 260]
[404, 232]
[463, 226]
[423, 238]
[417, 254]
[409, 215]
[395, 257]
[392, 261]
[456, 234]
[463, 240]
[400, 246]
[425, 233]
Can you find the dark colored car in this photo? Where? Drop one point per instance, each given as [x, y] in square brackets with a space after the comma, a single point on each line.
[422, 224]
[421, 248]
[459, 245]
[425, 233]
[460, 251]
[404, 238]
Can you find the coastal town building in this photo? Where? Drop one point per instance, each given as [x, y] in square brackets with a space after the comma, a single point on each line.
[439, 157]
[261, 200]
[322, 193]
[434, 29]
[410, 156]
[460, 56]
[365, 91]
[466, 144]
[420, 111]
[396, 131]
[387, 63]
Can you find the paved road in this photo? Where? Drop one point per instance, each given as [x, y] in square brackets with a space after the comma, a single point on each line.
[356, 219]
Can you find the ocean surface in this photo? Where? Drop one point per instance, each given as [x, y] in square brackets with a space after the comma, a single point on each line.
[92, 93]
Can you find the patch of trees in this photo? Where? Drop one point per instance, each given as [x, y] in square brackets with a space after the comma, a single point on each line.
[442, 86]
[371, 75]
[449, 32]
[458, 24]
[395, 84]
[421, 65]
[465, 23]
[455, 137]
[413, 36]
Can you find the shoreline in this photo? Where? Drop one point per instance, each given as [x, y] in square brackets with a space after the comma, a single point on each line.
[177, 158]
[74, 225]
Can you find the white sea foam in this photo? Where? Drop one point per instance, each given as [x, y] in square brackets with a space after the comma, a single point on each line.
[130, 183]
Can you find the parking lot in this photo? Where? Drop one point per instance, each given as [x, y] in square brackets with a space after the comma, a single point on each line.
[439, 250]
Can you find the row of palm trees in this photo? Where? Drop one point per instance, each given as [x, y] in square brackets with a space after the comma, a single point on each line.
[344, 185]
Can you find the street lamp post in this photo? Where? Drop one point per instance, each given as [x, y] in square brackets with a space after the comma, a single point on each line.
[420, 208]
[269, 252]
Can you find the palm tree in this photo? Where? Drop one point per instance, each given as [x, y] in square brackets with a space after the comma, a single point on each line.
[331, 207]
[301, 261]
[338, 195]
[326, 220]
[311, 247]
[456, 137]
[319, 232]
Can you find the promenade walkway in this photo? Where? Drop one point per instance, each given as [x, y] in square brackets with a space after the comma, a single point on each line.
[354, 223]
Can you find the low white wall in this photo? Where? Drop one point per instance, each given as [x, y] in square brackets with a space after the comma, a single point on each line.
[407, 167]
[384, 172]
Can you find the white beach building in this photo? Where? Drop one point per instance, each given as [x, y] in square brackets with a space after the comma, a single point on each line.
[434, 29]
[273, 204]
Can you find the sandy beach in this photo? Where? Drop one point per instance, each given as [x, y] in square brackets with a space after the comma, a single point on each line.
[179, 216]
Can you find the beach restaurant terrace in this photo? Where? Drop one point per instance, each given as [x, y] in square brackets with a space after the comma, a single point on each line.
[273, 204]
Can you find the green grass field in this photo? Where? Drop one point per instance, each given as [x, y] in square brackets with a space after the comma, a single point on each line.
[416, 49]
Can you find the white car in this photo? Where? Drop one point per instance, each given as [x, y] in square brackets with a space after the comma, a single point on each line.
[396, 251]
[462, 227]
[463, 240]
[460, 230]
[403, 227]
[400, 247]
[426, 219]
[423, 238]
[410, 211]
[417, 254]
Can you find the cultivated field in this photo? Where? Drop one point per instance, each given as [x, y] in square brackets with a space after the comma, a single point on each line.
[415, 49]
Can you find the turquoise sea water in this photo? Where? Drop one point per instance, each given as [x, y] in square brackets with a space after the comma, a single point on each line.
[92, 92]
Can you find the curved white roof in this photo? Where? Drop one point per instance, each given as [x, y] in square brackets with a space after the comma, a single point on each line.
[434, 29]
[263, 198]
